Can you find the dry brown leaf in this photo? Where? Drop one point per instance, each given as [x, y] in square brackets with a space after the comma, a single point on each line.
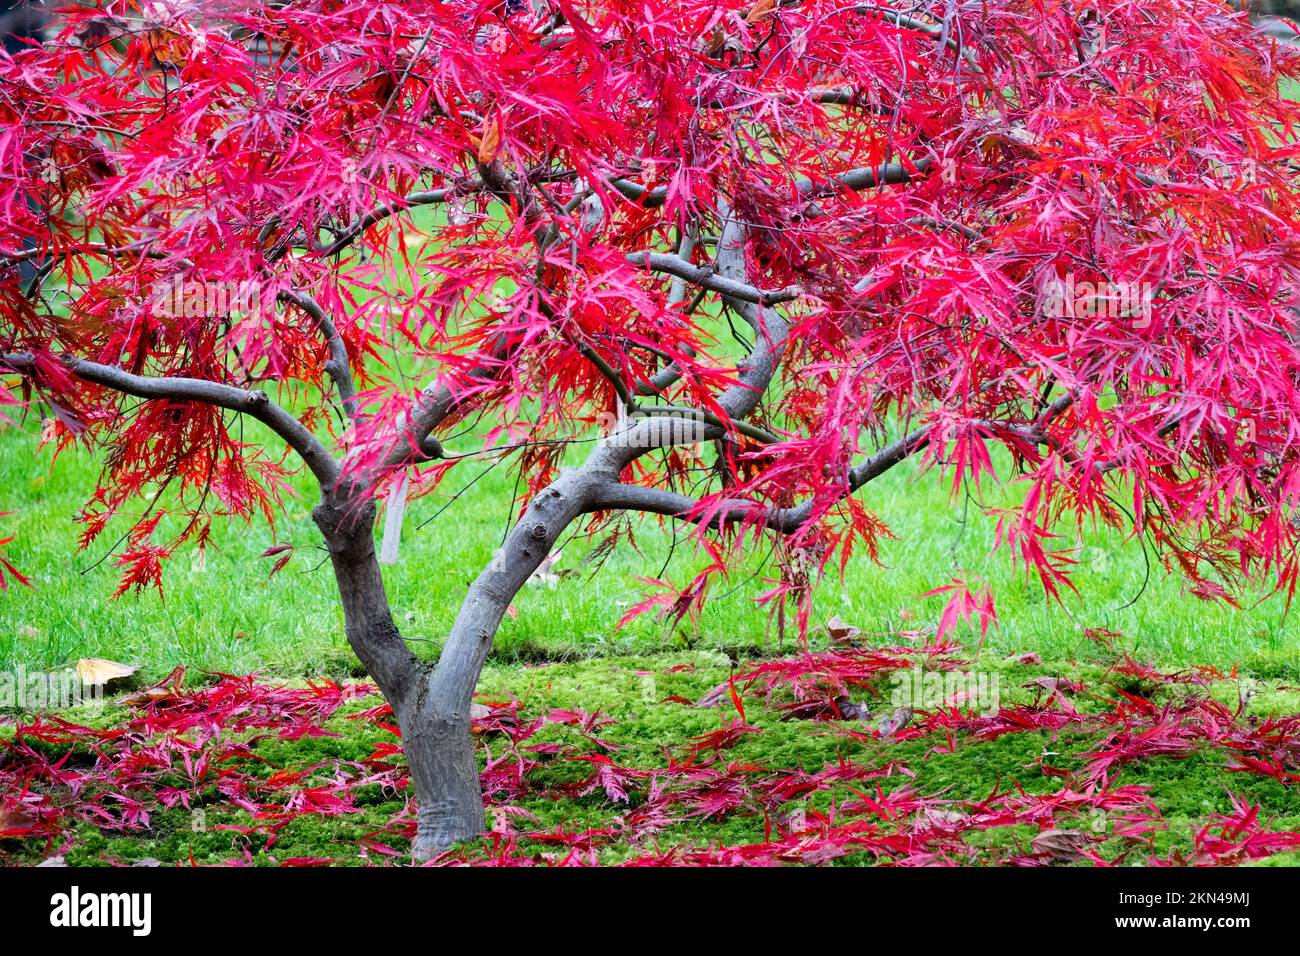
[760, 11]
[489, 143]
[169, 48]
[1062, 846]
[840, 632]
[14, 818]
[716, 41]
[1058, 684]
[169, 686]
[850, 709]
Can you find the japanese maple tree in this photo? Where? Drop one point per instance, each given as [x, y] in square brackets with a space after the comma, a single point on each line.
[762, 251]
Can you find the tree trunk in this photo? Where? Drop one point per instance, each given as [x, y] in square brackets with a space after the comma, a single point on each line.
[432, 704]
[346, 518]
[436, 731]
[444, 771]
[433, 716]
[435, 725]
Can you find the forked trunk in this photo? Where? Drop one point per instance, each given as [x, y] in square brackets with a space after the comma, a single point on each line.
[440, 748]
[432, 704]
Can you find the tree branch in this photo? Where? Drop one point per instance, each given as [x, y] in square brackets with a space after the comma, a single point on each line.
[739, 400]
[672, 372]
[254, 403]
[705, 278]
[864, 177]
[382, 212]
[619, 496]
[339, 367]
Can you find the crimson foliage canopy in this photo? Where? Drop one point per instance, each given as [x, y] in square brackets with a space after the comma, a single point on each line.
[1050, 240]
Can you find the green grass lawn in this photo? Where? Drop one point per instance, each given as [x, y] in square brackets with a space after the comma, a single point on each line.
[230, 616]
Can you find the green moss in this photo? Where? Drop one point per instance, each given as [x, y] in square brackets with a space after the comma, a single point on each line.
[1290, 858]
[641, 695]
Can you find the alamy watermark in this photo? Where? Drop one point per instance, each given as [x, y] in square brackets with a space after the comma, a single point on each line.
[77, 908]
[932, 690]
[194, 298]
[1070, 297]
[30, 691]
[658, 428]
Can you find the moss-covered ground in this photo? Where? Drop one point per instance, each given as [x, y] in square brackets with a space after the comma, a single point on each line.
[614, 760]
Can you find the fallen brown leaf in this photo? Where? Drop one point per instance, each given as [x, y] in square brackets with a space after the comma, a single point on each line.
[1062, 846]
[841, 633]
[169, 686]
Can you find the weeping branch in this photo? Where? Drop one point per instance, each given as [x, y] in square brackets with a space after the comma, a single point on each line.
[706, 278]
[338, 366]
[252, 402]
[618, 496]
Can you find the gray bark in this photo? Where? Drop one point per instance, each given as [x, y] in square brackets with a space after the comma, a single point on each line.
[436, 726]
[347, 522]
[432, 703]
[435, 721]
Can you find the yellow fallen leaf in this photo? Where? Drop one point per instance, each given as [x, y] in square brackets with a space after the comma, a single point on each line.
[96, 670]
